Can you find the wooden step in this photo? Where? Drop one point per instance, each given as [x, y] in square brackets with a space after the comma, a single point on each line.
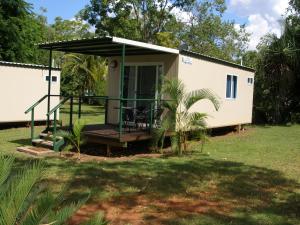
[43, 143]
[49, 136]
[36, 151]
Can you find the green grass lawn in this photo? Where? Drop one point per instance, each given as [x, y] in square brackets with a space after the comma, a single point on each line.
[91, 114]
[12, 138]
[246, 179]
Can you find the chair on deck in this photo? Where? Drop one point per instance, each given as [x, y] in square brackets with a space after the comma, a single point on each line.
[141, 117]
[129, 118]
[157, 116]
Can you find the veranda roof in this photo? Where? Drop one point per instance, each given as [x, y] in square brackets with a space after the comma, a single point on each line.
[107, 46]
[112, 46]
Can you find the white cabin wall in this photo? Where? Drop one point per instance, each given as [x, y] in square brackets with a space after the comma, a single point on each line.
[199, 73]
[20, 88]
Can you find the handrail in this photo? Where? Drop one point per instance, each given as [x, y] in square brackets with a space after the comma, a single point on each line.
[38, 102]
[58, 105]
[35, 104]
[54, 110]
[31, 109]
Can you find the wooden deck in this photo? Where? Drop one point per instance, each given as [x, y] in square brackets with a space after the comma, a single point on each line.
[109, 134]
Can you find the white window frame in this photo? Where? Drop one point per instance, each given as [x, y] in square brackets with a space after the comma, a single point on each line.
[232, 89]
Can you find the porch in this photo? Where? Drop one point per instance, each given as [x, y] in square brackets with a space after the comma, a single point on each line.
[109, 134]
[133, 106]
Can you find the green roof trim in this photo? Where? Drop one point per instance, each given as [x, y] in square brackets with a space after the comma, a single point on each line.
[26, 65]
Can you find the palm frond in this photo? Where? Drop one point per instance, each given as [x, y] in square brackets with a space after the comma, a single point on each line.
[67, 135]
[78, 127]
[197, 121]
[5, 167]
[25, 201]
[61, 215]
[21, 186]
[98, 219]
[31, 200]
[197, 95]
[42, 208]
[175, 90]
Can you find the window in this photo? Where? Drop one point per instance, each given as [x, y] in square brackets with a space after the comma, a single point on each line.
[250, 80]
[53, 78]
[231, 86]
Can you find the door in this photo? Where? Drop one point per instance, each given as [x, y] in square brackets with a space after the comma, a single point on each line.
[146, 85]
[129, 85]
[141, 82]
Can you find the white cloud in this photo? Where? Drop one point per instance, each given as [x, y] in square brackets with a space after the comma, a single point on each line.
[263, 16]
[181, 15]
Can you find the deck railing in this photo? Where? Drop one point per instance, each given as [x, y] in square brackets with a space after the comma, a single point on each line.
[32, 110]
[130, 112]
[121, 107]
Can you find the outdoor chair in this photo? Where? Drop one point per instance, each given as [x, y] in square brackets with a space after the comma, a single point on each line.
[129, 118]
[157, 117]
[141, 117]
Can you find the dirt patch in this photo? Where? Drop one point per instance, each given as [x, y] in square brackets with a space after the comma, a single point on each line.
[91, 158]
[246, 131]
[139, 210]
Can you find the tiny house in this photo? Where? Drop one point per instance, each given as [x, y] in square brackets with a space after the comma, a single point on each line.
[133, 87]
[232, 83]
[20, 86]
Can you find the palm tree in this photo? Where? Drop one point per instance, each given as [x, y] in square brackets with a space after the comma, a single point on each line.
[178, 117]
[25, 200]
[75, 137]
[87, 72]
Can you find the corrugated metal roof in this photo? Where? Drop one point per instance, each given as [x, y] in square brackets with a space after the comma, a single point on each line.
[26, 65]
[107, 46]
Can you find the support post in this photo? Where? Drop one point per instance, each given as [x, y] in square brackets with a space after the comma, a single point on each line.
[49, 88]
[79, 108]
[32, 124]
[238, 128]
[151, 117]
[121, 91]
[71, 113]
[108, 152]
[54, 130]
[106, 110]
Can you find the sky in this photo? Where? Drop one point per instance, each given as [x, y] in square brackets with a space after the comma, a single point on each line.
[260, 16]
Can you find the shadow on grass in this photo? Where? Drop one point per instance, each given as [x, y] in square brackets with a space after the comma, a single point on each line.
[249, 195]
[21, 142]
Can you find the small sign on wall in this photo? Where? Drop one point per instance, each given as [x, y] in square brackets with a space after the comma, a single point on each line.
[187, 60]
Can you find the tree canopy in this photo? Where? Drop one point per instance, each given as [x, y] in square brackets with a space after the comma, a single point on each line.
[20, 29]
[207, 32]
[160, 22]
[277, 93]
